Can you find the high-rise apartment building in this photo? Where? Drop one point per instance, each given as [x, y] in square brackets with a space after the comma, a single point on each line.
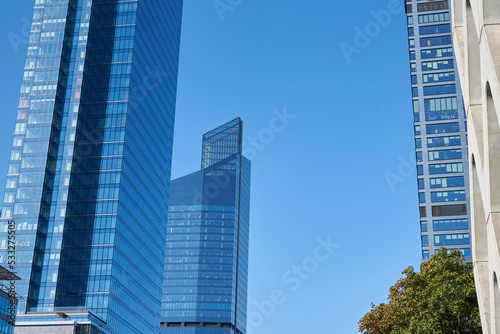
[206, 267]
[440, 129]
[476, 35]
[89, 171]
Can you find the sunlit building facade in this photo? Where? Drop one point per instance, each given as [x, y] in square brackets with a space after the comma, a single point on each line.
[440, 130]
[89, 170]
[8, 300]
[476, 36]
[206, 267]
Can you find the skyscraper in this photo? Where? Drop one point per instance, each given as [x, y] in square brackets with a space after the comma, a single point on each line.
[89, 170]
[206, 267]
[476, 29]
[440, 130]
[8, 301]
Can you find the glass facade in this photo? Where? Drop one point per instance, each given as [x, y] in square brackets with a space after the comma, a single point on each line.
[8, 301]
[441, 150]
[6, 324]
[206, 266]
[221, 143]
[89, 171]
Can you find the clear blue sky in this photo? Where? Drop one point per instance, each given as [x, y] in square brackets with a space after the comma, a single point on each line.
[322, 174]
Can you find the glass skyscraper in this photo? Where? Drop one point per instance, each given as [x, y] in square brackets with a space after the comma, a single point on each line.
[440, 130]
[89, 170]
[206, 267]
[8, 300]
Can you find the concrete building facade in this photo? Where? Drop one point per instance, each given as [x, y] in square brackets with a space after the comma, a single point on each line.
[476, 36]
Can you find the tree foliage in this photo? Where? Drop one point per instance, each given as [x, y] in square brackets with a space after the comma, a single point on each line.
[441, 299]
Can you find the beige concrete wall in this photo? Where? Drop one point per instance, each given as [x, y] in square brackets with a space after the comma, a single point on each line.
[67, 329]
[476, 35]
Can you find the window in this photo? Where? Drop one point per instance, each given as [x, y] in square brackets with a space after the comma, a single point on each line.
[425, 241]
[448, 196]
[436, 53]
[17, 141]
[421, 197]
[437, 77]
[414, 79]
[422, 211]
[417, 130]
[410, 20]
[451, 239]
[21, 127]
[446, 168]
[430, 18]
[437, 65]
[9, 198]
[425, 254]
[449, 210]
[411, 43]
[464, 251]
[11, 183]
[432, 6]
[411, 31]
[419, 156]
[413, 67]
[413, 56]
[450, 224]
[423, 226]
[445, 182]
[420, 170]
[439, 40]
[420, 183]
[441, 104]
[441, 115]
[443, 141]
[435, 29]
[418, 143]
[441, 89]
[445, 155]
[414, 91]
[416, 108]
[442, 128]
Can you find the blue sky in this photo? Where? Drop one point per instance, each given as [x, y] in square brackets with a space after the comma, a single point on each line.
[324, 134]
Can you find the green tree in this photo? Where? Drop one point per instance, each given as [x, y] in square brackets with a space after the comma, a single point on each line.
[440, 299]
